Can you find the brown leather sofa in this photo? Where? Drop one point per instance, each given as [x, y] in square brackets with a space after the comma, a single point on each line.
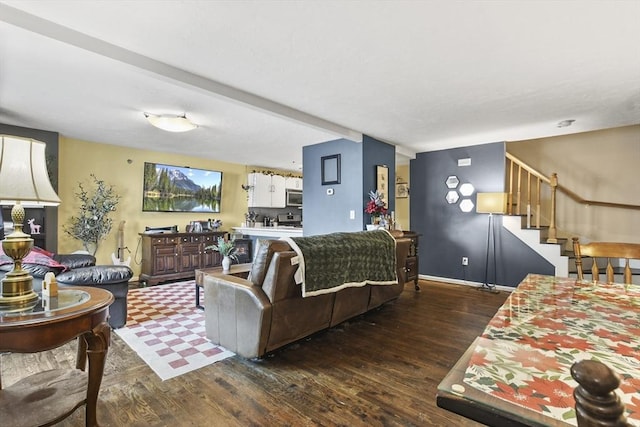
[254, 316]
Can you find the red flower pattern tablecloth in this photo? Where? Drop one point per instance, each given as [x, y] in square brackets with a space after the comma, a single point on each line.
[547, 324]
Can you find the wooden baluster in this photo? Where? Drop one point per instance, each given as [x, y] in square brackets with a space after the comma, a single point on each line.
[511, 188]
[519, 189]
[528, 199]
[597, 404]
[553, 232]
[538, 203]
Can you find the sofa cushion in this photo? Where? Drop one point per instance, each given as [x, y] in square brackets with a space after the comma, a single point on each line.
[262, 258]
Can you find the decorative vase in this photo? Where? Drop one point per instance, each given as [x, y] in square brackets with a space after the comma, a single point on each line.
[226, 264]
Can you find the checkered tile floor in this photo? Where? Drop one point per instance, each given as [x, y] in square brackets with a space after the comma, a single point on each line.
[167, 331]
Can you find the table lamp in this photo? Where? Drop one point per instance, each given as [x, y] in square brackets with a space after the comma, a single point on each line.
[23, 178]
[491, 203]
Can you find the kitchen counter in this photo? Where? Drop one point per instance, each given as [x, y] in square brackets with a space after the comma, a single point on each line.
[271, 232]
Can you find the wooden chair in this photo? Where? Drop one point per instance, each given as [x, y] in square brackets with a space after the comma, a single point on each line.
[606, 250]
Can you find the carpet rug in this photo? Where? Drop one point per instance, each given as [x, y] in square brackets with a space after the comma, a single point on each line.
[166, 330]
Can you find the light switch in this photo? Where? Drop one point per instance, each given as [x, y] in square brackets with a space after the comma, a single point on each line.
[352, 214]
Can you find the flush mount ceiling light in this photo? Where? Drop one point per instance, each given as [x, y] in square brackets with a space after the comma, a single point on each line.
[565, 123]
[171, 122]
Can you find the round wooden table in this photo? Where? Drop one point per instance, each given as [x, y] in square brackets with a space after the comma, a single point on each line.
[47, 397]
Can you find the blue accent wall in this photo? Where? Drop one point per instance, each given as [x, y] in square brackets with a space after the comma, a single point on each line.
[324, 213]
[448, 234]
[377, 153]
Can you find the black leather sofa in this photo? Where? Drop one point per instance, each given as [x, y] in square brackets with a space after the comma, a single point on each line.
[80, 270]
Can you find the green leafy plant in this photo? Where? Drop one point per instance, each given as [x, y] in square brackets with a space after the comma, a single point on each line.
[225, 247]
[93, 223]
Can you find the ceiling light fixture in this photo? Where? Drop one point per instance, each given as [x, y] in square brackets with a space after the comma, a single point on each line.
[171, 122]
[565, 123]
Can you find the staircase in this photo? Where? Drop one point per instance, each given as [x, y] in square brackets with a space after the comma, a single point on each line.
[532, 237]
[532, 201]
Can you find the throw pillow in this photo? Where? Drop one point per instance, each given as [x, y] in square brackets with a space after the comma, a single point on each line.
[33, 262]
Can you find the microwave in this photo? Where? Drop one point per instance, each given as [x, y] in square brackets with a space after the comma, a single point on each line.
[294, 198]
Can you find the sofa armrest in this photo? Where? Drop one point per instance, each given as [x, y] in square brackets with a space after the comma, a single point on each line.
[237, 314]
[96, 275]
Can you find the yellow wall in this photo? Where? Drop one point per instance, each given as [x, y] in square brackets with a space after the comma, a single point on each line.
[402, 205]
[601, 166]
[123, 168]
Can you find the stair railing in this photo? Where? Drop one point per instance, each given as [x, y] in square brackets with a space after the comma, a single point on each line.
[533, 177]
[517, 166]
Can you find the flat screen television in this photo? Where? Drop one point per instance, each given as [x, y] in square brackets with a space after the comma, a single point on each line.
[180, 189]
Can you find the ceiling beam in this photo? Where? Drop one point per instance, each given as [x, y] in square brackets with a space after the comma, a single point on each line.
[168, 72]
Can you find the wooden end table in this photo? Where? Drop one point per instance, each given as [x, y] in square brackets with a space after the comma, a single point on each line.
[235, 270]
[48, 397]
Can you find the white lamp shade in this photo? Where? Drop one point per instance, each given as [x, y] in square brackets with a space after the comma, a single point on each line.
[23, 172]
[492, 203]
[170, 123]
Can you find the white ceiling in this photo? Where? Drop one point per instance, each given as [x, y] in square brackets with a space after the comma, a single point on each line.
[264, 78]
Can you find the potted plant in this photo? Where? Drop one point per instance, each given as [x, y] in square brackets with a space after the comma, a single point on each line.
[227, 249]
[93, 223]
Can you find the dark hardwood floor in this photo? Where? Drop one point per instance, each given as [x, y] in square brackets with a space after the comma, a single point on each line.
[379, 369]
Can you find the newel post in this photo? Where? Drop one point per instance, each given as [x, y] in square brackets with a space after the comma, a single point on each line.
[553, 231]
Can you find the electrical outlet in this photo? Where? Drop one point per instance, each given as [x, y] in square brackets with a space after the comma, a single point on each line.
[465, 260]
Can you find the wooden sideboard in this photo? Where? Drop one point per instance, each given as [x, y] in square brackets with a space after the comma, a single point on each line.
[172, 256]
[413, 263]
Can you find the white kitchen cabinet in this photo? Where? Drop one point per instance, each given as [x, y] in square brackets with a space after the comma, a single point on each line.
[267, 191]
[293, 183]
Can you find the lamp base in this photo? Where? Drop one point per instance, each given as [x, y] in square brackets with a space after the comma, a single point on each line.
[17, 286]
[17, 292]
[18, 304]
[488, 288]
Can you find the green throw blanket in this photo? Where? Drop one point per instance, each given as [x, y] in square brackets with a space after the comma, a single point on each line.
[335, 261]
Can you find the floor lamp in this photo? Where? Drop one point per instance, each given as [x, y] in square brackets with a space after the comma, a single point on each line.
[492, 204]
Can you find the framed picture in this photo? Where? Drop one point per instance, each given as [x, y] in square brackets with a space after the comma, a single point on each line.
[168, 188]
[402, 190]
[330, 169]
[382, 182]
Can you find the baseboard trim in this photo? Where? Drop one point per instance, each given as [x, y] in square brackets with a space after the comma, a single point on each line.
[461, 282]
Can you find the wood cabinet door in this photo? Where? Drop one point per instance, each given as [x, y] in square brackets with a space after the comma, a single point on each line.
[211, 258]
[190, 256]
[164, 259]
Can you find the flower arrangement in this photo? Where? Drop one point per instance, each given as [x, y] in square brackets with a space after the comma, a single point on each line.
[227, 248]
[375, 206]
[214, 224]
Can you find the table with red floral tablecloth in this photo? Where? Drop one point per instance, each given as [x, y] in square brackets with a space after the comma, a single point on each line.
[547, 324]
